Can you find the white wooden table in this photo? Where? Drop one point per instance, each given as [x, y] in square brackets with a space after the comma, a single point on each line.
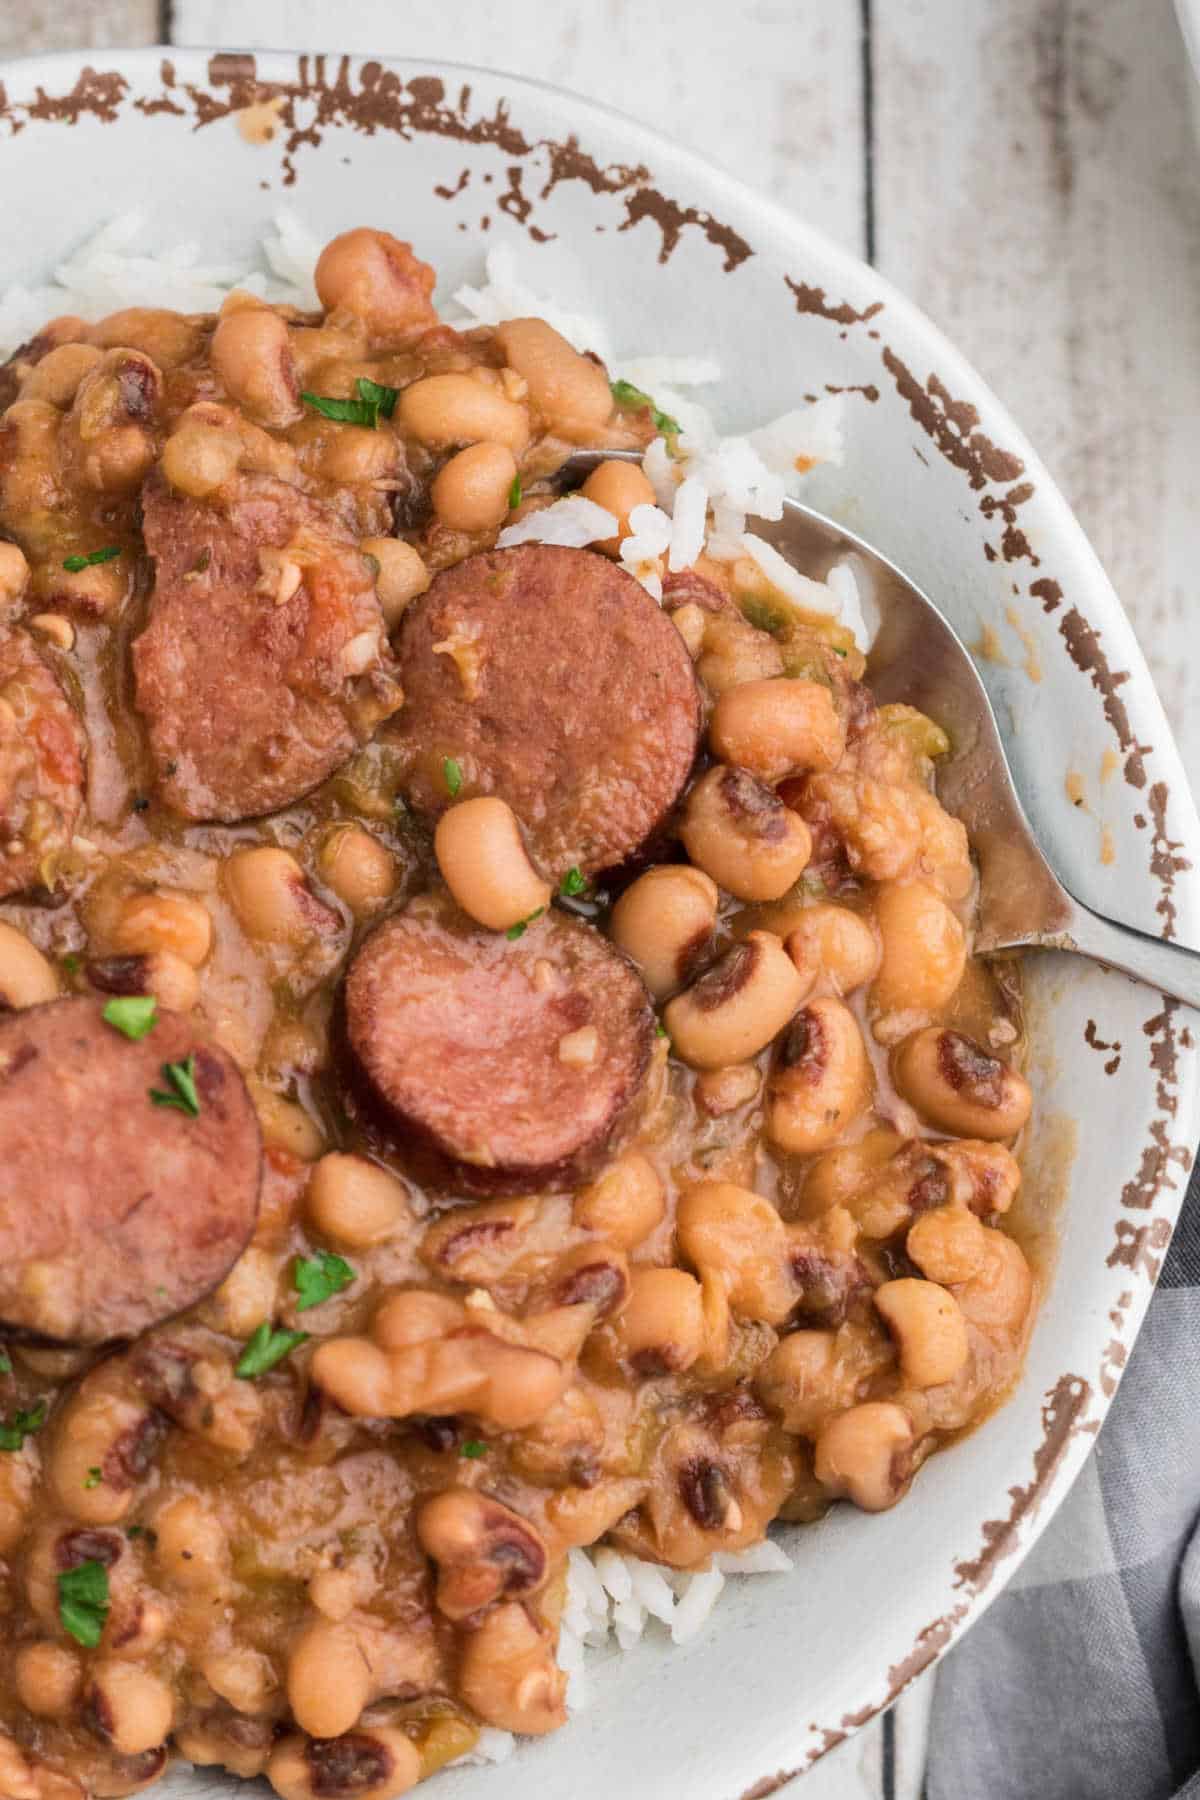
[1024, 169]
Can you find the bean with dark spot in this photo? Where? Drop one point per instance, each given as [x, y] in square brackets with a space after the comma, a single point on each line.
[706, 1492]
[350, 1764]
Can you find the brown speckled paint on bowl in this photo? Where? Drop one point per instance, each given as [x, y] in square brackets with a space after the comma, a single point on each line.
[325, 92]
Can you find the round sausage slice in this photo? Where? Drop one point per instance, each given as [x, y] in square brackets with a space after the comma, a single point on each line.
[42, 752]
[264, 663]
[550, 677]
[513, 1061]
[116, 1212]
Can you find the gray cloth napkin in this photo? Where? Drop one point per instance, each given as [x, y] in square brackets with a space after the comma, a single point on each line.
[1080, 1682]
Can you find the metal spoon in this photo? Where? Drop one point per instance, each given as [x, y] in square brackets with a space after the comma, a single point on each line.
[917, 657]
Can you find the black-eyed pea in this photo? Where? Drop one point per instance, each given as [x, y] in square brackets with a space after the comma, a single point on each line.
[246, 1296]
[484, 1551]
[401, 576]
[777, 728]
[741, 834]
[251, 355]
[471, 492]
[201, 454]
[734, 651]
[484, 863]
[618, 487]
[356, 1374]
[272, 900]
[928, 1328]
[689, 620]
[664, 922]
[128, 1707]
[738, 1235]
[192, 1548]
[720, 1091]
[48, 1679]
[355, 455]
[101, 1431]
[27, 978]
[444, 410]
[737, 1006]
[924, 949]
[173, 982]
[57, 376]
[624, 1204]
[377, 278]
[866, 1455]
[242, 1676]
[822, 1080]
[285, 1124]
[329, 1681]
[18, 1478]
[376, 1764]
[947, 1243]
[838, 945]
[805, 1380]
[959, 1086]
[14, 575]
[661, 1329]
[998, 1296]
[355, 1202]
[142, 924]
[836, 1175]
[508, 1675]
[570, 390]
[358, 868]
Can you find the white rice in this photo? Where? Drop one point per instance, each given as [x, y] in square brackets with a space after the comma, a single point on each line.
[573, 522]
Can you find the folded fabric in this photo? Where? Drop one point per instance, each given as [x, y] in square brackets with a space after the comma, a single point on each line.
[1080, 1682]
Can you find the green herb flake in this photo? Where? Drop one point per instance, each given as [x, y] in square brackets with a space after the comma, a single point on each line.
[320, 1277]
[73, 564]
[83, 1602]
[133, 1015]
[473, 1449]
[6, 1367]
[660, 1030]
[518, 930]
[71, 964]
[572, 883]
[375, 394]
[453, 774]
[181, 1088]
[133, 1532]
[514, 494]
[266, 1348]
[345, 412]
[21, 1426]
[94, 1478]
[632, 399]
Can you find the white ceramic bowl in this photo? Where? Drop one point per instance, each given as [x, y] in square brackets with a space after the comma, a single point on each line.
[683, 259]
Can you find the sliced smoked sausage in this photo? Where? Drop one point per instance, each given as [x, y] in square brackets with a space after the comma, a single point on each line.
[115, 1212]
[513, 1061]
[42, 756]
[551, 678]
[264, 663]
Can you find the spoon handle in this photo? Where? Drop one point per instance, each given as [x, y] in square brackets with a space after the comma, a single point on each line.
[1171, 968]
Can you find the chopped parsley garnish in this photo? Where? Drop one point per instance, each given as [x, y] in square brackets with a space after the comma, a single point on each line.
[453, 774]
[133, 1015]
[319, 1277]
[376, 394]
[73, 564]
[83, 1602]
[472, 1449]
[181, 1090]
[660, 1030]
[5, 1363]
[572, 883]
[374, 402]
[71, 964]
[518, 930]
[94, 1478]
[266, 1348]
[514, 494]
[142, 1531]
[633, 399]
[21, 1426]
